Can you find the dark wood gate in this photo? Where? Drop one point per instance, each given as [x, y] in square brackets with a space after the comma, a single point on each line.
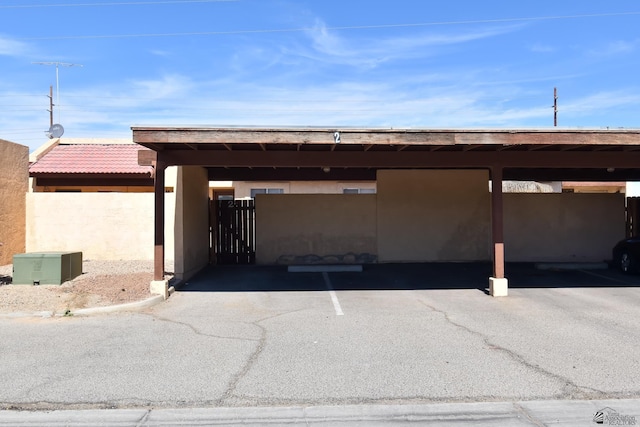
[233, 231]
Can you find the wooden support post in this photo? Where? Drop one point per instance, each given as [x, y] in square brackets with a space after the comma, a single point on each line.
[158, 237]
[498, 283]
[497, 225]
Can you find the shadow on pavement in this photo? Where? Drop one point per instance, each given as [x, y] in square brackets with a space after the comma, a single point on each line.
[475, 275]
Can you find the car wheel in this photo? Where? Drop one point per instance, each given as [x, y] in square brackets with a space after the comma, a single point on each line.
[626, 263]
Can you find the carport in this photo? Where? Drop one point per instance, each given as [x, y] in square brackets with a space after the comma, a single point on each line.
[259, 154]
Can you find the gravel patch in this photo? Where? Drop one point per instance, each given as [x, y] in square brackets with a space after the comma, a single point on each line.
[102, 283]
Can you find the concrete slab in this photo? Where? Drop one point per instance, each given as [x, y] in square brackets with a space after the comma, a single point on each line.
[572, 266]
[324, 268]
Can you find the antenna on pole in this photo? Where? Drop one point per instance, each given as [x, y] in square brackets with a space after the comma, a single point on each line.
[57, 65]
[555, 106]
[50, 106]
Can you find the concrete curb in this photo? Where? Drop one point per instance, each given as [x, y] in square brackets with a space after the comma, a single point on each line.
[132, 306]
[489, 414]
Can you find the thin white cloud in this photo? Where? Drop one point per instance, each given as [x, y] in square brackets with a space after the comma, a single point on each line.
[602, 101]
[168, 86]
[618, 47]
[10, 47]
[542, 48]
[456, 102]
[328, 46]
[159, 52]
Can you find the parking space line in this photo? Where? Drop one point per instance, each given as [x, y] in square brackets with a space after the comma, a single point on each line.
[332, 293]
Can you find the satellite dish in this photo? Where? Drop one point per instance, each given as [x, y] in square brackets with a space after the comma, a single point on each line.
[55, 131]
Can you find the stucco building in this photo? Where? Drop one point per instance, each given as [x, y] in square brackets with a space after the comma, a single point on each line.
[14, 180]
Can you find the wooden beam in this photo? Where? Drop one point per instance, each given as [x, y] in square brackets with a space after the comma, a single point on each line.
[366, 174]
[291, 174]
[540, 147]
[404, 159]
[146, 157]
[288, 136]
[471, 147]
[159, 135]
[571, 147]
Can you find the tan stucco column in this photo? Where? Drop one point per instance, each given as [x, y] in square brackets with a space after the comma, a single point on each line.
[498, 284]
[159, 285]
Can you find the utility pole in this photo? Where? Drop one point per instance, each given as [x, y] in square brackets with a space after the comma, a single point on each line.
[555, 106]
[58, 65]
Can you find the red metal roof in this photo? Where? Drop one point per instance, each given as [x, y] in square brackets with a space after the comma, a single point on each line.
[91, 158]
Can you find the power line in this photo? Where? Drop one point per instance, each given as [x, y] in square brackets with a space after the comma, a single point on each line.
[495, 97]
[130, 3]
[20, 95]
[339, 28]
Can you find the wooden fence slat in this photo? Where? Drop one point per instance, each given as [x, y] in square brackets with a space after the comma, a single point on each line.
[235, 232]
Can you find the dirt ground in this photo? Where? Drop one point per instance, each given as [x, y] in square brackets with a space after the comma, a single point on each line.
[101, 284]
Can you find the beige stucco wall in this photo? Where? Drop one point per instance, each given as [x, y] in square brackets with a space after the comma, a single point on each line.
[105, 226]
[191, 221]
[291, 225]
[433, 215]
[242, 189]
[438, 215]
[14, 181]
[562, 227]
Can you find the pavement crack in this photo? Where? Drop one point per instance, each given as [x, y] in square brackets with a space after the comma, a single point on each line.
[571, 388]
[200, 333]
[527, 415]
[233, 383]
[273, 316]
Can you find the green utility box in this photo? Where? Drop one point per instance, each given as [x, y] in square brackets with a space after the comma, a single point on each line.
[46, 268]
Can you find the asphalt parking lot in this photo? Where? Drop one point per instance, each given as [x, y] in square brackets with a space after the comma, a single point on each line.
[430, 331]
[395, 334]
[407, 277]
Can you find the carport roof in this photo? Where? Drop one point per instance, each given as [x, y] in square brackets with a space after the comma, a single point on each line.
[286, 153]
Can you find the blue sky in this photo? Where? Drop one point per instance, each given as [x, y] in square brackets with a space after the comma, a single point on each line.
[401, 63]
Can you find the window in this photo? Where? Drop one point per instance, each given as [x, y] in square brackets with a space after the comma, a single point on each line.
[255, 191]
[359, 191]
[222, 194]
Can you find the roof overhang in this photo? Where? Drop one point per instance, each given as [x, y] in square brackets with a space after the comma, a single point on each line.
[310, 153]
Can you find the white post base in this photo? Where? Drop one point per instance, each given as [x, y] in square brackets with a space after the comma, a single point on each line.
[160, 287]
[498, 287]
